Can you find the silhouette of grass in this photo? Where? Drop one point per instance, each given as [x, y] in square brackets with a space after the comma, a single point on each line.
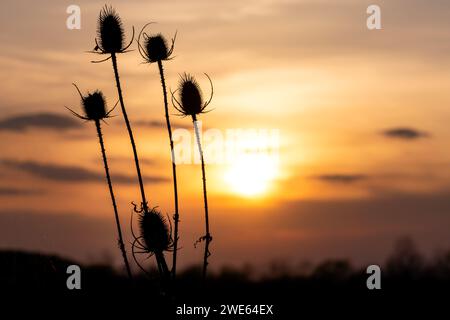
[155, 49]
[111, 41]
[94, 108]
[191, 103]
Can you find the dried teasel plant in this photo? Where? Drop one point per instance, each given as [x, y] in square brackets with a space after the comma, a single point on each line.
[190, 103]
[155, 238]
[154, 49]
[111, 40]
[94, 109]
[110, 35]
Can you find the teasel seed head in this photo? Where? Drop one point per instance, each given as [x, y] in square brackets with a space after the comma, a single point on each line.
[155, 231]
[110, 35]
[190, 100]
[94, 106]
[154, 48]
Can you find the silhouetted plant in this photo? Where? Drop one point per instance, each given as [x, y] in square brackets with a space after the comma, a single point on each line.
[155, 49]
[406, 261]
[441, 266]
[333, 271]
[191, 103]
[155, 238]
[111, 41]
[94, 108]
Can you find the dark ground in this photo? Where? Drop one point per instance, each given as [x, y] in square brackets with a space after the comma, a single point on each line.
[332, 287]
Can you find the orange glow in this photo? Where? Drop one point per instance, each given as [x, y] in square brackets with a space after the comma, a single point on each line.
[251, 175]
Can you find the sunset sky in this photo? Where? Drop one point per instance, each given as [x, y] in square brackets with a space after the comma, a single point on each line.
[362, 118]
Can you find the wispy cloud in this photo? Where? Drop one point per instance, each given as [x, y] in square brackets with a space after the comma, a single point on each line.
[64, 233]
[63, 173]
[8, 191]
[341, 178]
[405, 133]
[119, 159]
[149, 123]
[52, 121]
[159, 124]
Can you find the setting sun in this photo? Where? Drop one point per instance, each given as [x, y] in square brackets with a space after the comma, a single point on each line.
[252, 174]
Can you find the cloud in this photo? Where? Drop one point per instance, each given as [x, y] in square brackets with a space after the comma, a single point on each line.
[155, 124]
[405, 133]
[119, 159]
[149, 123]
[56, 172]
[361, 229]
[53, 121]
[62, 233]
[7, 191]
[341, 178]
[365, 229]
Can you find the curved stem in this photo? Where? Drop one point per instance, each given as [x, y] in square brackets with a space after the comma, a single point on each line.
[113, 198]
[130, 132]
[174, 169]
[207, 236]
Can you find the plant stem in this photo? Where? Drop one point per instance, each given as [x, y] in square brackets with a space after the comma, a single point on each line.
[207, 236]
[113, 198]
[164, 272]
[162, 265]
[174, 169]
[130, 132]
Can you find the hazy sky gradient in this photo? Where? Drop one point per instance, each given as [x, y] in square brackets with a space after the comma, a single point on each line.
[363, 119]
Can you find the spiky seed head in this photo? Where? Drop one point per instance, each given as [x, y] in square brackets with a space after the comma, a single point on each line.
[110, 31]
[94, 106]
[156, 48]
[155, 231]
[191, 101]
